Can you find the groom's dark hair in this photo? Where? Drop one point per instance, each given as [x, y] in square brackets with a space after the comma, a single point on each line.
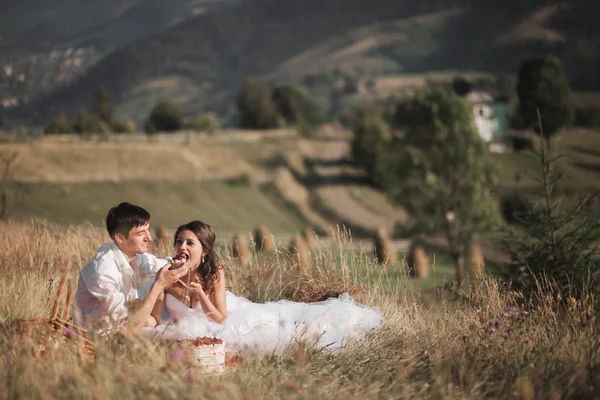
[122, 218]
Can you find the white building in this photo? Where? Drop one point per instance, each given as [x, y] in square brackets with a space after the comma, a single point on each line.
[491, 120]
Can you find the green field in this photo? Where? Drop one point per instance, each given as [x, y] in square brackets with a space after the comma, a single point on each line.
[227, 206]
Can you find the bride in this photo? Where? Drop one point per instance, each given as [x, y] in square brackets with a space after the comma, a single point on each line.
[200, 305]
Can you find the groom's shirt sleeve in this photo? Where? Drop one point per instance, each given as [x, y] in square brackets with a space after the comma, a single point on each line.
[104, 283]
[149, 265]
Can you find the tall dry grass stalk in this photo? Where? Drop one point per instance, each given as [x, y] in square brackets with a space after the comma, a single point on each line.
[487, 344]
[383, 248]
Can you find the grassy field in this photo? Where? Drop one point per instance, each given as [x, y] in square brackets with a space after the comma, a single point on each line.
[519, 171]
[180, 156]
[229, 207]
[488, 344]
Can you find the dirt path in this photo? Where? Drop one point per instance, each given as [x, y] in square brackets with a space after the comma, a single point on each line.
[335, 195]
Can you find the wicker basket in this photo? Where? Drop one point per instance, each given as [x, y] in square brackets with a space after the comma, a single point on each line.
[58, 324]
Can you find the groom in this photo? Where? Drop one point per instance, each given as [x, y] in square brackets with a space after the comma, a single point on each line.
[109, 282]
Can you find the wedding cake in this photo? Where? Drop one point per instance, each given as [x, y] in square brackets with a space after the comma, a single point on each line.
[207, 353]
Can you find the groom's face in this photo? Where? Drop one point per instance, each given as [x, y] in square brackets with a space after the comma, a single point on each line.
[138, 240]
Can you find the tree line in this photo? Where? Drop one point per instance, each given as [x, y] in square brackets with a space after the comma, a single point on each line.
[428, 156]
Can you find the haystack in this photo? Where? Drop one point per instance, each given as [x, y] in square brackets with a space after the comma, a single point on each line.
[263, 239]
[474, 264]
[241, 249]
[162, 235]
[383, 248]
[311, 238]
[300, 252]
[418, 262]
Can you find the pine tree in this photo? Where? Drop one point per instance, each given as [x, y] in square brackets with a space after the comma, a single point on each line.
[102, 105]
[550, 241]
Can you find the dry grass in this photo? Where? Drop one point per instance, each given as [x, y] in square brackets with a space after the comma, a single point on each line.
[181, 156]
[487, 345]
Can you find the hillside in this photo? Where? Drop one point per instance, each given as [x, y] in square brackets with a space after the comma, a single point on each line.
[200, 62]
[39, 25]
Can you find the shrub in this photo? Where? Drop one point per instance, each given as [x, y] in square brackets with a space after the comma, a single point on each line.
[297, 107]
[553, 242]
[586, 117]
[123, 126]
[513, 207]
[59, 125]
[543, 88]
[206, 122]
[84, 122]
[371, 145]
[255, 106]
[164, 117]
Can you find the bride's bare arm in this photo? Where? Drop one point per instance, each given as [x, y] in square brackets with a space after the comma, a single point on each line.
[215, 308]
[154, 318]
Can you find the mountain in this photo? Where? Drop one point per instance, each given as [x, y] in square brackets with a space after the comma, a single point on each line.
[200, 62]
[42, 25]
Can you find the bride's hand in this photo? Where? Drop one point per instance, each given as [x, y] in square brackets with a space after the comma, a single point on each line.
[196, 289]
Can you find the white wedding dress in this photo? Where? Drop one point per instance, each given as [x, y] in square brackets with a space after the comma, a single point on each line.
[266, 327]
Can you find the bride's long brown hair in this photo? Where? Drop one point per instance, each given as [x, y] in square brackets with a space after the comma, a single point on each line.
[208, 270]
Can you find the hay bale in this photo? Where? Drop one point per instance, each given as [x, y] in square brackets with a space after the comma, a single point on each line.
[162, 235]
[300, 252]
[383, 248]
[311, 238]
[418, 262]
[241, 249]
[263, 239]
[474, 263]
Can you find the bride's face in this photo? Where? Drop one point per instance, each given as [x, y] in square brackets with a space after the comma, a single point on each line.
[187, 243]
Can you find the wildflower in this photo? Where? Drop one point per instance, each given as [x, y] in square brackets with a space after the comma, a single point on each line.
[527, 339]
[189, 377]
[513, 314]
[571, 303]
[289, 385]
[64, 268]
[51, 279]
[178, 355]
[492, 330]
[218, 388]
[69, 333]
[497, 323]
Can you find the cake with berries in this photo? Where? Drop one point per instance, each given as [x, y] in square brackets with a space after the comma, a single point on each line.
[207, 353]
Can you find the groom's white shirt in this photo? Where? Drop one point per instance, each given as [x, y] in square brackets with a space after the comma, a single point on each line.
[107, 282]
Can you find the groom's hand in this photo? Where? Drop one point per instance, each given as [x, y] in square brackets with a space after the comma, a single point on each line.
[169, 274]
